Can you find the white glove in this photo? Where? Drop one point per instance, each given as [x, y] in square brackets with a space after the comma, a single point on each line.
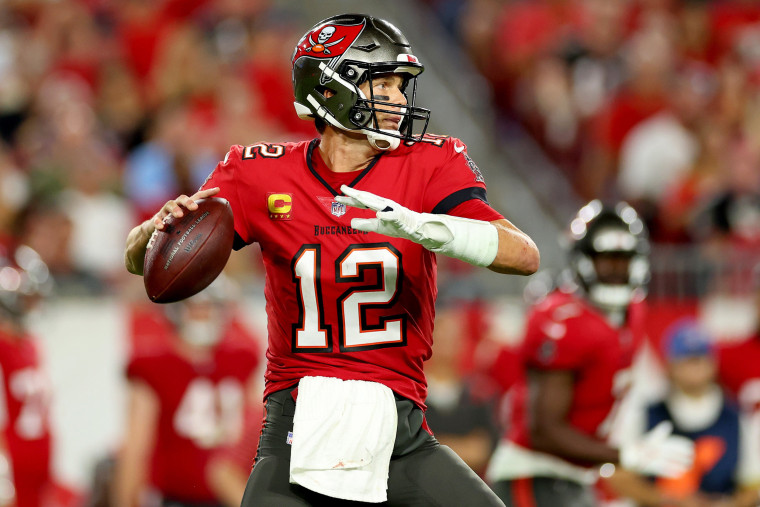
[659, 452]
[472, 241]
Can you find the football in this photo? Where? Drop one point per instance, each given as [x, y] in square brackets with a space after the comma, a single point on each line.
[190, 252]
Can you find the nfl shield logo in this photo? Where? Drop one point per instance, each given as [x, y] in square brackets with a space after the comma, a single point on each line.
[337, 209]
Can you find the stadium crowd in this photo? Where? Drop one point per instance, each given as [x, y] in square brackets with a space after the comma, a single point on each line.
[652, 101]
[656, 102]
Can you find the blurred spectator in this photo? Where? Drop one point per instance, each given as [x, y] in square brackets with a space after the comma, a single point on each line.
[681, 204]
[650, 65]
[526, 31]
[460, 404]
[99, 220]
[660, 150]
[565, 91]
[166, 164]
[192, 381]
[120, 106]
[736, 28]
[26, 441]
[46, 228]
[726, 469]
[14, 192]
[733, 215]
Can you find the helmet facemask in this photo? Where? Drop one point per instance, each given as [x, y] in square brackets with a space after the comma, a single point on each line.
[364, 113]
[376, 48]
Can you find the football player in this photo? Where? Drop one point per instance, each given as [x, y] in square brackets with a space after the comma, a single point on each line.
[349, 224]
[25, 391]
[578, 347]
[190, 385]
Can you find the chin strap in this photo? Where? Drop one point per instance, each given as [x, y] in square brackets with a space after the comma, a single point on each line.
[381, 141]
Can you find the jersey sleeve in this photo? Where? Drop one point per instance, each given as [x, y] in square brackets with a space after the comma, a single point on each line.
[225, 176]
[142, 368]
[455, 179]
[476, 209]
[553, 345]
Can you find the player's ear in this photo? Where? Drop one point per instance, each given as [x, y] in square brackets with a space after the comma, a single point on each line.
[326, 92]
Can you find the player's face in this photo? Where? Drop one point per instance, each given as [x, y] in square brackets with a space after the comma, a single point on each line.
[387, 88]
[612, 268]
[692, 374]
[202, 322]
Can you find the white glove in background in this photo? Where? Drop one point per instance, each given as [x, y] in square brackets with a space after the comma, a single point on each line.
[659, 453]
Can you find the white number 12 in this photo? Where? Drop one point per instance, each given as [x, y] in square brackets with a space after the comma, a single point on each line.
[311, 334]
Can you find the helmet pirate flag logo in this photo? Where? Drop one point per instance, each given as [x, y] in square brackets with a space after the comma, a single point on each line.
[328, 41]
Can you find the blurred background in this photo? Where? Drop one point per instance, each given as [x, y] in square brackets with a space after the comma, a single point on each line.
[110, 107]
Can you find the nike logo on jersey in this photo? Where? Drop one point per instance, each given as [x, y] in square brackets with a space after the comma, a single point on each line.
[459, 148]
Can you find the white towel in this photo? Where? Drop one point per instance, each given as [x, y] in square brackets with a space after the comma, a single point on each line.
[343, 436]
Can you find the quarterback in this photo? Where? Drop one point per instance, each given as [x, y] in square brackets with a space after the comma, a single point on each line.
[349, 224]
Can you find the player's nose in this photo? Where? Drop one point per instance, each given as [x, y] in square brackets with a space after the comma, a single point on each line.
[400, 96]
[397, 96]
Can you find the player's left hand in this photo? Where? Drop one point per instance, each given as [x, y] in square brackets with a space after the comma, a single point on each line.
[394, 219]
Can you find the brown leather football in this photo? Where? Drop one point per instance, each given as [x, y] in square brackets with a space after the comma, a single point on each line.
[190, 252]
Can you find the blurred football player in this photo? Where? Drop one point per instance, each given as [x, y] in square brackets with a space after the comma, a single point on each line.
[351, 278]
[725, 471]
[189, 391]
[577, 351]
[25, 391]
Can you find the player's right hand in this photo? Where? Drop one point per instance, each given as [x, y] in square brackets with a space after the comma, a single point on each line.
[659, 453]
[174, 206]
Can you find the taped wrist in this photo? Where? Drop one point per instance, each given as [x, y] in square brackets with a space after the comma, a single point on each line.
[473, 241]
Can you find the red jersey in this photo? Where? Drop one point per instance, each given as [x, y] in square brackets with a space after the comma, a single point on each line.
[202, 410]
[341, 302]
[564, 332]
[25, 417]
[739, 372]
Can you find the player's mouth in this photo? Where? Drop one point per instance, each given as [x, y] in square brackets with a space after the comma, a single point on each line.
[391, 122]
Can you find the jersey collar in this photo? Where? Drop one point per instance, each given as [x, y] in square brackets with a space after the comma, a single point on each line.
[310, 164]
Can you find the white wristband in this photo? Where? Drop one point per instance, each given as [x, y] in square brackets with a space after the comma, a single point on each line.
[473, 241]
